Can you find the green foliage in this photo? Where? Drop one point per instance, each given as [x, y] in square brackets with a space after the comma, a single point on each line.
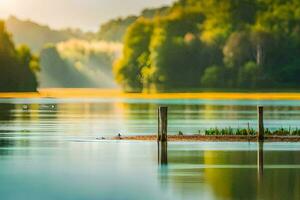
[216, 44]
[238, 49]
[248, 75]
[128, 69]
[17, 65]
[212, 77]
[252, 132]
[229, 131]
[172, 43]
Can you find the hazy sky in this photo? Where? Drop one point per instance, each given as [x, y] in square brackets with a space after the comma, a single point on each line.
[85, 14]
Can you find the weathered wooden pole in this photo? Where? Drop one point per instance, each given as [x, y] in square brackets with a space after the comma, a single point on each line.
[162, 137]
[162, 124]
[260, 113]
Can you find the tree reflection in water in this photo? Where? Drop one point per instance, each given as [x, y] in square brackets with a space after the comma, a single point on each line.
[234, 174]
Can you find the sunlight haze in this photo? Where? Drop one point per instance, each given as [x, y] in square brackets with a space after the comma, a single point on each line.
[87, 15]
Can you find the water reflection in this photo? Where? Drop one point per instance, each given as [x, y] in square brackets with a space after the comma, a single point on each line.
[49, 134]
[192, 118]
[260, 161]
[234, 174]
[137, 118]
[162, 153]
[5, 111]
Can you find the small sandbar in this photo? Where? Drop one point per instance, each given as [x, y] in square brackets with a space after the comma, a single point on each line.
[210, 138]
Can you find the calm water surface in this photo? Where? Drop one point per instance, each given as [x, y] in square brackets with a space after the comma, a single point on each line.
[48, 150]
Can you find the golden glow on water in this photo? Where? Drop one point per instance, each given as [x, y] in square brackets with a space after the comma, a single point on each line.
[115, 93]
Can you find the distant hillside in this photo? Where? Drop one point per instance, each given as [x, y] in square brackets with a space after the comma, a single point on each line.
[70, 57]
[36, 36]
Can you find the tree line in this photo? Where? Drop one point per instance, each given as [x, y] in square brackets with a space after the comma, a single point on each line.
[213, 44]
[17, 65]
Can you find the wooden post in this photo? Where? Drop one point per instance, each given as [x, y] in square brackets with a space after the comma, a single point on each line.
[162, 124]
[260, 113]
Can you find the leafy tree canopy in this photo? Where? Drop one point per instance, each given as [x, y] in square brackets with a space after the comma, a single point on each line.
[216, 44]
[17, 65]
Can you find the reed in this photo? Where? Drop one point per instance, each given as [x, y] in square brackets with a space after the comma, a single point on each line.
[252, 132]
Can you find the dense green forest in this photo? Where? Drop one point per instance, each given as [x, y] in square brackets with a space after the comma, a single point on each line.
[213, 44]
[17, 65]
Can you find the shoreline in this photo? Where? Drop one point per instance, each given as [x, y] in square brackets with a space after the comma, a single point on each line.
[210, 138]
[117, 93]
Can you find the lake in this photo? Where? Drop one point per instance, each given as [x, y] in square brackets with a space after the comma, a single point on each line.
[48, 150]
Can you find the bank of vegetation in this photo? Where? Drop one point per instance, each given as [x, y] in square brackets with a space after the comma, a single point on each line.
[213, 44]
[251, 132]
[18, 65]
[189, 46]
